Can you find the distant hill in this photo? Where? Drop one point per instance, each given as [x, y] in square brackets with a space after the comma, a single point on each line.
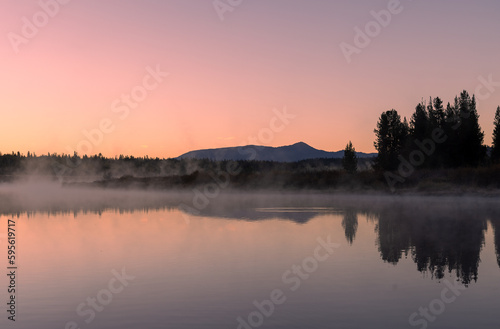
[291, 153]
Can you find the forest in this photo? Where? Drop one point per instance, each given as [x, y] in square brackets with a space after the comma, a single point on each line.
[438, 139]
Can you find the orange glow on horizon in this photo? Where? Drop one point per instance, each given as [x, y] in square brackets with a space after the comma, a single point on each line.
[225, 78]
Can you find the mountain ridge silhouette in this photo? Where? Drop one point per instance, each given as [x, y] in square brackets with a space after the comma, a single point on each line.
[288, 153]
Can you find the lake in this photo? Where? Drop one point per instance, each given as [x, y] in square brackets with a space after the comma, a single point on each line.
[110, 259]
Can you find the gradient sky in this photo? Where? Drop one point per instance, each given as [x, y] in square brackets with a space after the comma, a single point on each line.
[226, 76]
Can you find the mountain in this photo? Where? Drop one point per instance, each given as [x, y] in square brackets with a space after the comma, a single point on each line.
[291, 153]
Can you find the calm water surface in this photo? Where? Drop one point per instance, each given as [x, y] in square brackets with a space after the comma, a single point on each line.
[294, 262]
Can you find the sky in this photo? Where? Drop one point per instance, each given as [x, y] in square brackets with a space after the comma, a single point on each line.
[163, 77]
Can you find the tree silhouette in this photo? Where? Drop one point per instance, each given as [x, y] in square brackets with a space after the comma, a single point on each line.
[350, 161]
[457, 128]
[437, 121]
[419, 128]
[495, 152]
[391, 135]
[419, 123]
[436, 114]
[451, 125]
[470, 136]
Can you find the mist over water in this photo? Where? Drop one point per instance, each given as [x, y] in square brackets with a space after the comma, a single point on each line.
[206, 269]
[39, 194]
[50, 196]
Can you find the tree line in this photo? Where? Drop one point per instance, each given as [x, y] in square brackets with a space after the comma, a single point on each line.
[435, 137]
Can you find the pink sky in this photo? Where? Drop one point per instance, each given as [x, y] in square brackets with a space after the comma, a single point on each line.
[225, 77]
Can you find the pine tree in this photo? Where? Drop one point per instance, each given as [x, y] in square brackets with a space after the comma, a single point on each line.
[437, 121]
[350, 161]
[436, 114]
[464, 145]
[495, 152]
[470, 135]
[451, 125]
[419, 123]
[391, 139]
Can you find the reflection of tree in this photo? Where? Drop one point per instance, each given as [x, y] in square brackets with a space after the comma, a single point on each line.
[441, 244]
[394, 236]
[350, 225]
[496, 227]
[438, 242]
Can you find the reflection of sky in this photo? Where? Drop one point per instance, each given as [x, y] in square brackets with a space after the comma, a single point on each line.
[3, 230]
[209, 272]
[298, 209]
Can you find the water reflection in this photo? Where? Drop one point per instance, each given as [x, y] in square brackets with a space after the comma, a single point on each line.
[440, 235]
[436, 244]
[496, 225]
[350, 224]
[440, 239]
